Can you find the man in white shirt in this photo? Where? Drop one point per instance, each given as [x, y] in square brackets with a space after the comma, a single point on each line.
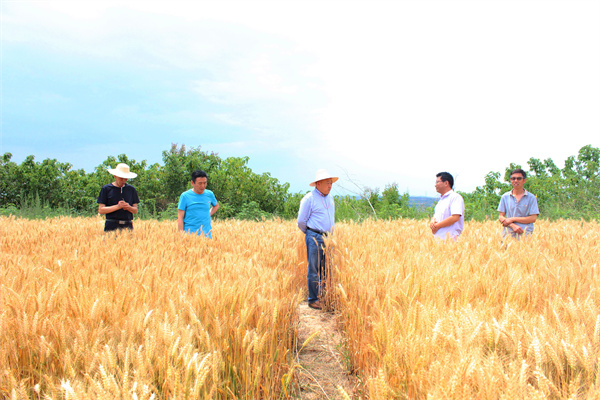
[449, 216]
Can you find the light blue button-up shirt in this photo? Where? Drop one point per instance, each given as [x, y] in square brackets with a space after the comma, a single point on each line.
[316, 212]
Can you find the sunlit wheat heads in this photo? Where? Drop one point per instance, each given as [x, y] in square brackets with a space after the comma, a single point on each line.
[156, 314]
[481, 318]
[151, 313]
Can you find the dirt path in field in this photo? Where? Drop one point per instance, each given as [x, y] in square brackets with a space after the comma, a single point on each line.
[322, 365]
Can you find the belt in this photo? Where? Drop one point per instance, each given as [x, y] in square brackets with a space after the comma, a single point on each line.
[316, 231]
[120, 221]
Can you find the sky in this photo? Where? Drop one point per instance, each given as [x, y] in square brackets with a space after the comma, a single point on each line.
[376, 92]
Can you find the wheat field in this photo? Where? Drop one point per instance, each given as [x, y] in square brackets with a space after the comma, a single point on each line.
[476, 319]
[154, 314]
[148, 314]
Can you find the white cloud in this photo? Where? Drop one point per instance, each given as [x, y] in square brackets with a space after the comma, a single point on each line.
[388, 91]
[470, 89]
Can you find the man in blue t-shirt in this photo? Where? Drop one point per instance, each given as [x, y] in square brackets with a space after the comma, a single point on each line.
[196, 206]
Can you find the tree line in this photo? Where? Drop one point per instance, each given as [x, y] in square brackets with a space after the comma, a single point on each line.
[50, 187]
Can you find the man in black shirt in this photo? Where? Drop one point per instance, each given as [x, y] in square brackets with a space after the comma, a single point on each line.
[118, 200]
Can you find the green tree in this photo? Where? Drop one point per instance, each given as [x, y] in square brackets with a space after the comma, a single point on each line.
[10, 191]
[50, 181]
[235, 185]
[395, 205]
[176, 172]
[573, 192]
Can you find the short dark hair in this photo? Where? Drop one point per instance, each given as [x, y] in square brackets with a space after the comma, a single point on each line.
[198, 174]
[446, 177]
[518, 171]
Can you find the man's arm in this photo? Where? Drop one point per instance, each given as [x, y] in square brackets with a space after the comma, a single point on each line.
[180, 216]
[104, 209]
[213, 210]
[303, 214]
[132, 209]
[435, 226]
[511, 224]
[530, 219]
[135, 200]
[501, 217]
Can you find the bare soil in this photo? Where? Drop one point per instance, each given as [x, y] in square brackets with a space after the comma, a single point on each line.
[322, 369]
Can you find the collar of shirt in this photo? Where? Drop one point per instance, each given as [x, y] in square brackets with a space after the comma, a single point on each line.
[321, 194]
[525, 192]
[447, 194]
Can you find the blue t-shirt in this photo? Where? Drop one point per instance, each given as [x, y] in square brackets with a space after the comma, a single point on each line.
[197, 211]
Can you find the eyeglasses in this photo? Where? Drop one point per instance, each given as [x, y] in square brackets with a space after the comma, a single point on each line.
[516, 178]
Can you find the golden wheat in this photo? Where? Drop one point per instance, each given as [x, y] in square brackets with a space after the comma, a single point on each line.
[480, 318]
[156, 314]
[146, 314]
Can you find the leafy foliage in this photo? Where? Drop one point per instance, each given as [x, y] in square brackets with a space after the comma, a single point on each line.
[51, 188]
[571, 192]
[390, 204]
[159, 186]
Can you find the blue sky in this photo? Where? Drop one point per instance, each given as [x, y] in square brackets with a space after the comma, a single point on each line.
[377, 92]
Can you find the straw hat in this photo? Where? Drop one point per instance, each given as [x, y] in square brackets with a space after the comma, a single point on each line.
[321, 175]
[122, 171]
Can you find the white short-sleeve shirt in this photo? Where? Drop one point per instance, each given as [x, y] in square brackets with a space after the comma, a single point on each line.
[450, 203]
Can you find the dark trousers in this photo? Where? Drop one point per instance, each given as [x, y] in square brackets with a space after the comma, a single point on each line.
[114, 225]
[315, 249]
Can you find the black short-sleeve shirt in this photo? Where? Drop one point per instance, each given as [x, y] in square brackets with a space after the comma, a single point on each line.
[110, 195]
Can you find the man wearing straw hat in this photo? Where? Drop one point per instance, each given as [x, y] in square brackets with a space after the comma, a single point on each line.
[118, 200]
[316, 218]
